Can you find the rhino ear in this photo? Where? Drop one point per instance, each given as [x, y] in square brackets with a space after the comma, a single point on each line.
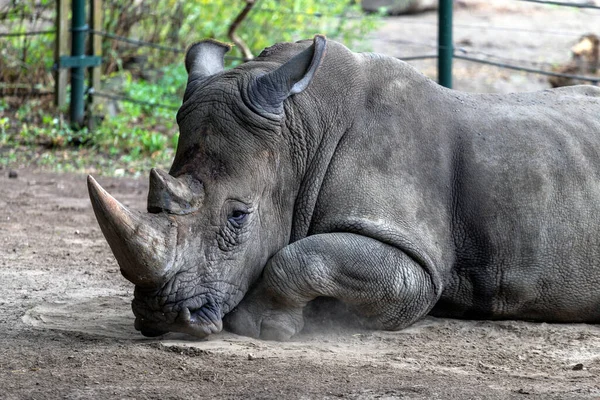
[270, 90]
[205, 58]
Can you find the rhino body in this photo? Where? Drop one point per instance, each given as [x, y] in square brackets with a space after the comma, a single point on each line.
[313, 172]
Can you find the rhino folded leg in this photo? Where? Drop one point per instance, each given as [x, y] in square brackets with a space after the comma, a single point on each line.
[384, 286]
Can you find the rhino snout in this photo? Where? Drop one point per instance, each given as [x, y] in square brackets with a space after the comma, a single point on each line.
[196, 321]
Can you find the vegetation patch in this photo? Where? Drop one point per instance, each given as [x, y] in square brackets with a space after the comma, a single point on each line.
[132, 120]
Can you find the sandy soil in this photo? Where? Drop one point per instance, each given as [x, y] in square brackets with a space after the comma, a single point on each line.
[66, 328]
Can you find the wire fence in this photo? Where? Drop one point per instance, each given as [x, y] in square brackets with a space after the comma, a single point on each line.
[459, 52]
[142, 43]
[119, 97]
[498, 28]
[30, 33]
[594, 80]
[309, 14]
[564, 3]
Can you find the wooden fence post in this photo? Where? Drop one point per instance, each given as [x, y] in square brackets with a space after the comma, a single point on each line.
[95, 44]
[61, 48]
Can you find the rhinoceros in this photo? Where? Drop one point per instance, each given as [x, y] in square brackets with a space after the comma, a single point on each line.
[316, 174]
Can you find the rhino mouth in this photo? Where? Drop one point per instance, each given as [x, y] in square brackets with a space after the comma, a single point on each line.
[196, 321]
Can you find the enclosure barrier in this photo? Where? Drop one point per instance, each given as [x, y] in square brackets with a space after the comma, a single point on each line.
[445, 43]
[78, 61]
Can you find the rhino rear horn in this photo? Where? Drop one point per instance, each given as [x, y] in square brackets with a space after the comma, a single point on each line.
[143, 244]
[174, 195]
[270, 90]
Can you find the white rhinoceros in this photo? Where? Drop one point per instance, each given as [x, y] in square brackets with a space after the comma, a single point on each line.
[314, 172]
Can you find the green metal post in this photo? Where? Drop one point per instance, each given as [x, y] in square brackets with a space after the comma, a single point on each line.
[445, 45]
[79, 31]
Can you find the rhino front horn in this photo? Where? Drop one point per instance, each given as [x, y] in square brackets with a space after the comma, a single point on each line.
[143, 244]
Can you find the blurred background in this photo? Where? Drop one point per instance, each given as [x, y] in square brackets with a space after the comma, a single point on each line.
[132, 89]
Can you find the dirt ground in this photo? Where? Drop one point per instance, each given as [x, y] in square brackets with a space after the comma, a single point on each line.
[66, 327]
[66, 330]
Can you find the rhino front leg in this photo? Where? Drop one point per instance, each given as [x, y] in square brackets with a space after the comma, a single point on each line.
[382, 284]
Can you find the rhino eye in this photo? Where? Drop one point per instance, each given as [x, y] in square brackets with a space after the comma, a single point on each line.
[237, 217]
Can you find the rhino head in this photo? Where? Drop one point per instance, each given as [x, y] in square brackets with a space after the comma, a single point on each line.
[226, 205]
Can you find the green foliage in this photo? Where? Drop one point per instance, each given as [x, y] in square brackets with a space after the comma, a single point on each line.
[136, 132]
[179, 23]
[26, 61]
[143, 131]
[298, 19]
[130, 135]
[4, 126]
[167, 90]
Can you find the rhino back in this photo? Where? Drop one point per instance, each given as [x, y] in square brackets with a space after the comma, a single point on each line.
[498, 196]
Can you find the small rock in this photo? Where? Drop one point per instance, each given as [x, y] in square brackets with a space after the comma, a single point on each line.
[577, 367]
[12, 174]
[251, 357]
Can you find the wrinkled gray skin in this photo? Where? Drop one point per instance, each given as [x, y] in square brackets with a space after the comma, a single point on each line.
[353, 177]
